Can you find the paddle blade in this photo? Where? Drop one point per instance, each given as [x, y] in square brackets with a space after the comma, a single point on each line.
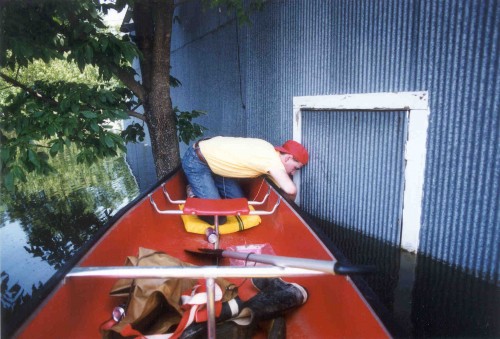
[212, 251]
[205, 253]
[211, 255]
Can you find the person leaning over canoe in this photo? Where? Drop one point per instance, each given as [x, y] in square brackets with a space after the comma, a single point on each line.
[213, 166]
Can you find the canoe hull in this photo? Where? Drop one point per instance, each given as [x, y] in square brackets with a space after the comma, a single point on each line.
[78, 306]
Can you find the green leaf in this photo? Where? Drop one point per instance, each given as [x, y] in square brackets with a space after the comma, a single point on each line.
[104, 44]
[109, 142]
[89, 53]
[65, 104]
[8, 181]
[87, 28]
[174, 82]
[56, 147]
[17, 172]
[5, 154]
[51, 130]
[81, 64]
[33, 158]
[94, 126]
[89, 114]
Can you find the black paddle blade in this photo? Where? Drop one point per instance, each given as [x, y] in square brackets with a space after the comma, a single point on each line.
[196, 253]
[212, 251]
[212, 256]
[206, 253]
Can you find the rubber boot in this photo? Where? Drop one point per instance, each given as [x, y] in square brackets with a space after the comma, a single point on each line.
[275, 298]
[275, 284]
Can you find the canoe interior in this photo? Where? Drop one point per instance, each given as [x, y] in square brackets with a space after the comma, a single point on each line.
[78, 306]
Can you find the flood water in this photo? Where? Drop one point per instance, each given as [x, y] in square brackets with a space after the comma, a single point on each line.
[424, 297]
[46, 222]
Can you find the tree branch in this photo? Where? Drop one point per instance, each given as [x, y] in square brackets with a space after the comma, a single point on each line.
[34, 93]
[136, 115]
[51, 101]
[128, 80]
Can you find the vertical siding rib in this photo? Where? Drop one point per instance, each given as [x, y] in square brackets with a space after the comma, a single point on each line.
[357, 158]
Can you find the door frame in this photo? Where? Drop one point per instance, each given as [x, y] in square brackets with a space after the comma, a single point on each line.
[417, 107]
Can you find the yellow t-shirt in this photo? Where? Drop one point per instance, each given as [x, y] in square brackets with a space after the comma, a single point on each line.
[240, 157]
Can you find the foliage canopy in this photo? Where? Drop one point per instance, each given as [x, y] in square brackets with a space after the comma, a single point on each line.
[45, 114]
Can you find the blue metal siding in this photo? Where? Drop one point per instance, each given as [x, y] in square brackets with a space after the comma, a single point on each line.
[461, 221]
[315, 47]
[356, 172]
[207, 65]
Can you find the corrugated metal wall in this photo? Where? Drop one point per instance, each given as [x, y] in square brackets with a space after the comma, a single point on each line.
[205, 60]
[355, 177]
[246, 77]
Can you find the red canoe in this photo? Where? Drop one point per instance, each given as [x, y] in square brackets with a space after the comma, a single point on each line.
[80, 304]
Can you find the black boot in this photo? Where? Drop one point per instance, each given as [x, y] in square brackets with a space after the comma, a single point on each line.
[276, 328]
[275, 298]
[275, 284]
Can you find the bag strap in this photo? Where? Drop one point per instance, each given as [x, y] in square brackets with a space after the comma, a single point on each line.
[194, 304]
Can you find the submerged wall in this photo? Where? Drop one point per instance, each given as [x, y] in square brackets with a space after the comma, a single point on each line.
[245, 78]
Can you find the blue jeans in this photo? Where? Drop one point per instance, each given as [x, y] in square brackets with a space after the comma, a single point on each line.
[204, 183]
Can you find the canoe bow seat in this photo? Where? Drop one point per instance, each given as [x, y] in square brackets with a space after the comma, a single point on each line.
[218, 207]
[197, 206]
[238, 212]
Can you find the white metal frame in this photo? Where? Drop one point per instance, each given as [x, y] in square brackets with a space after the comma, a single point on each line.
[417, 107]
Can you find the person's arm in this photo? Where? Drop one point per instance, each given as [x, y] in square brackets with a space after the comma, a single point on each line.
[284, 182]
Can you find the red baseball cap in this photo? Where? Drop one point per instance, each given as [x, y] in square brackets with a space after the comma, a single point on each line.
[294, 148]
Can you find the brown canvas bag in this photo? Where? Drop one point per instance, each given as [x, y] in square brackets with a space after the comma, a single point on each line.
[154, 305]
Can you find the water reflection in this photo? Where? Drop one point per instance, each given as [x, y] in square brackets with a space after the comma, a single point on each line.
[425, 298]
[452, 303]
[48, 219]
[34, 270]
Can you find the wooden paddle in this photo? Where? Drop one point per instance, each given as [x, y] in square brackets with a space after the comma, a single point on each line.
[325, 266]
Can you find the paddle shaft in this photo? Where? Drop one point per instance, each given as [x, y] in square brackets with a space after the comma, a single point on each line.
[195, 272]
[326, 266]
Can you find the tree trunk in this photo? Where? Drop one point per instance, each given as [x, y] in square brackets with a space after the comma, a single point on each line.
[153, 25]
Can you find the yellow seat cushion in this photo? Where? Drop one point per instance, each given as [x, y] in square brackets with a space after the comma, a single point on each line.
[234, 223]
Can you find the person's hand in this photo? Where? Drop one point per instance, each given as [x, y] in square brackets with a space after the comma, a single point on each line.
[290, 197]
[284, 181]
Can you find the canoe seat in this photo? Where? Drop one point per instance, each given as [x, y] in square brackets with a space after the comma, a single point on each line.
[197, 206]
[215, 207]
